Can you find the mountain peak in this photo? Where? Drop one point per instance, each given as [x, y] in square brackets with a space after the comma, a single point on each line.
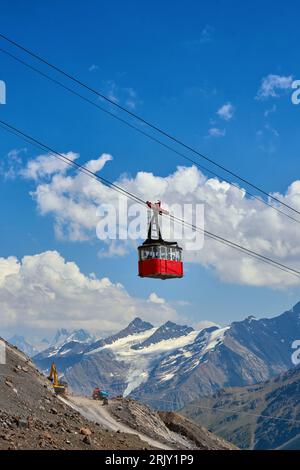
[168, 330]
[169, 324]
[175, 327]
[139, 323]
[80, 335]
[61, 333]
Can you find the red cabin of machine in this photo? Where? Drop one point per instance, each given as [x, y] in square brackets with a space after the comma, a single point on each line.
[158, 258]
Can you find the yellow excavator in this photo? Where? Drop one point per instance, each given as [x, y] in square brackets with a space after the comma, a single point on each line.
[60, 388]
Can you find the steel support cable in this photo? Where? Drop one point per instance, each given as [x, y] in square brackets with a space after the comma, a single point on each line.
[144, 121]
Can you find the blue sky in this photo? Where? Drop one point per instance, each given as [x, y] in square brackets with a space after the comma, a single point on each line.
[176, 64]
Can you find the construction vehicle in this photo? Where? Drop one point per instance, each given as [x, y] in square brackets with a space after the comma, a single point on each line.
[60, 387]
[99, 394]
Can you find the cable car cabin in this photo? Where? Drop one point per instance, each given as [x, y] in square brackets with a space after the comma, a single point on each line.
[160, 259]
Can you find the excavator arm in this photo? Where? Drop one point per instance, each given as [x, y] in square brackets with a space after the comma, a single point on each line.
[52, 373]
[59, 388]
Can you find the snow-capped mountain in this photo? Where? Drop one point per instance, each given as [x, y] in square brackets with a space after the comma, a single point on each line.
[21, 343]
[134, 327]
[64, 336]
[66, 346]
[30, 346]
[170, 365]
[167, 331]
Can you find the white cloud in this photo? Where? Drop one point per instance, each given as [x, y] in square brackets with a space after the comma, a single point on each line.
[72, 200]
[153, 297]
[226, 111]
[12, 163]
[204, 324]
[97, 164]
[47, 165]
[45, 292]
[216, 132]
[273, 85]
[114, 249]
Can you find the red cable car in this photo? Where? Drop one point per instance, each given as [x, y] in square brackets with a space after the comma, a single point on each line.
[158, 258]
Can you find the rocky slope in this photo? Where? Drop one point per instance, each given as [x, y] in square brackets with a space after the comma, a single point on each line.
[263, 416]
[32, 417]
[170, 428]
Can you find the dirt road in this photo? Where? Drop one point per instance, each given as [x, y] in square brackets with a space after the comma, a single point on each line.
[95, 411]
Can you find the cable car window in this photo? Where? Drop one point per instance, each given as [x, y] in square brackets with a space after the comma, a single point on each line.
[163, 252]
[146, 253]
[155, 252]
[177, 252]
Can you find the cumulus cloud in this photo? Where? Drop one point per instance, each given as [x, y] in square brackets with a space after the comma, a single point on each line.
[226, 111]
[72, 199]
[45, 292]
[153, 297]
[47, 165]
[273, 85]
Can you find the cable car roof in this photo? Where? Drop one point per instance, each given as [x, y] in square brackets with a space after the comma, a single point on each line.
[159, 242]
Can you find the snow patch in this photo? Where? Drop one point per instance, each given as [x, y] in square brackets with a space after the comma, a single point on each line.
[62, 353]
[140, 360]
[216, 337]
[167, 377]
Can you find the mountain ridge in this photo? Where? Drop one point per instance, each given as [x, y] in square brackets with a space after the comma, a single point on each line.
[261, 416]
[172, 365]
